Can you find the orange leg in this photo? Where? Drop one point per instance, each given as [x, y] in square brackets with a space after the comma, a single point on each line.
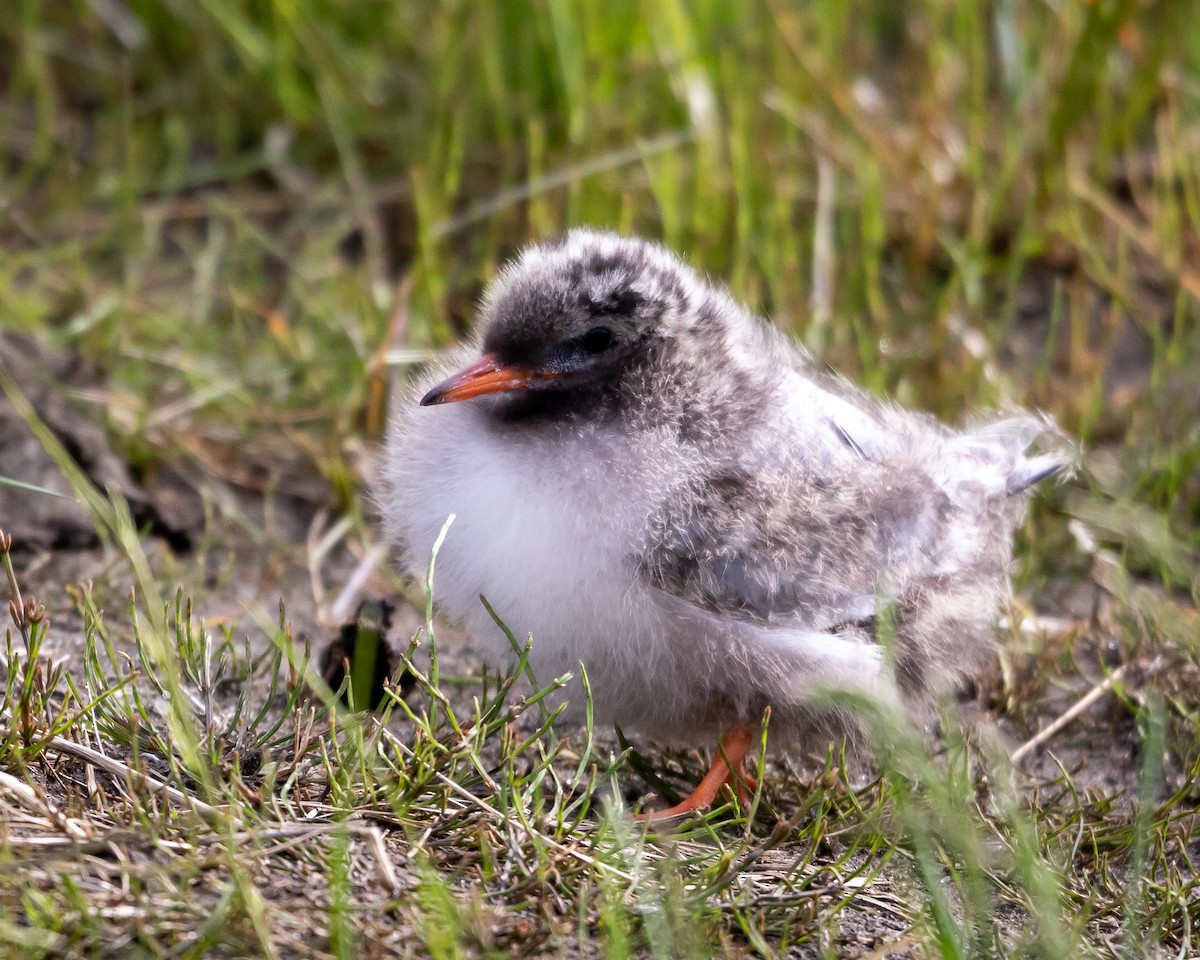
[727, 769]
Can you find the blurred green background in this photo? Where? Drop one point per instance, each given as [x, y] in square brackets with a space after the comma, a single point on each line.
[246, 204]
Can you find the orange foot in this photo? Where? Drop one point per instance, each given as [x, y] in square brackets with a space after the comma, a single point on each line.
[728, 769]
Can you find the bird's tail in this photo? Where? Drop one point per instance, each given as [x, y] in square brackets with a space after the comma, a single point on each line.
[997, 458]
[1030, 471]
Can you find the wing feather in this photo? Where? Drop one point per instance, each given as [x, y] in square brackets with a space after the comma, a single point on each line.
[812, 551]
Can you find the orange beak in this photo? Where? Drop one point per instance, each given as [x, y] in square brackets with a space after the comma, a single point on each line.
[485, 375]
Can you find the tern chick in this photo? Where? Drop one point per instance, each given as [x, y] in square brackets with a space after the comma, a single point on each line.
[653, 482]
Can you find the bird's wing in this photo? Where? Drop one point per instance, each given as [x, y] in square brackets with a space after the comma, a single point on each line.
[812, 551]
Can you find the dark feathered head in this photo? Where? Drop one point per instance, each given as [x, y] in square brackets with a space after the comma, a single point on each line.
[573, 314]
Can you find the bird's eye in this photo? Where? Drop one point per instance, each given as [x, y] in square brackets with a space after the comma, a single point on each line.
[597, 340]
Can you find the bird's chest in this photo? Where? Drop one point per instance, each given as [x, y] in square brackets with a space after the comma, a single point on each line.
[546, 529]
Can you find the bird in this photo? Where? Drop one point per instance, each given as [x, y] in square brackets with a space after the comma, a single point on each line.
[653, 482]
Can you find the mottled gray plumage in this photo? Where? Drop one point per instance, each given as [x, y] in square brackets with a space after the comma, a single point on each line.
[678, 497]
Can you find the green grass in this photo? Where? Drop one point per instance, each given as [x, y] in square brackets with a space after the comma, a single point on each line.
[249, 216]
